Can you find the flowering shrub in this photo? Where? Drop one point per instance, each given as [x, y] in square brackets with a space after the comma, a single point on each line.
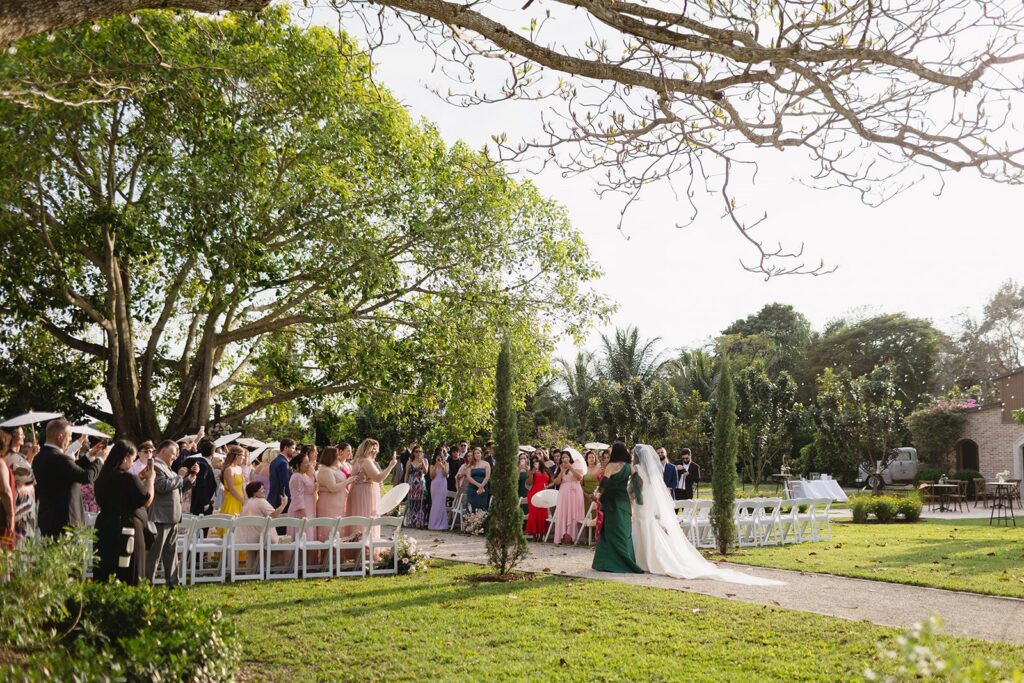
[410, 558]
[936, 428]
[885, 508]
[919, 655]
[475, 522]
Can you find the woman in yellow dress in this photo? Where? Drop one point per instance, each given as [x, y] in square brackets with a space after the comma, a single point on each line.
[234, 481]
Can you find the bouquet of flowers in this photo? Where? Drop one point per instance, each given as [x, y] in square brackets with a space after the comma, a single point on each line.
[410, 558]
[1002, 476]
[474, 522]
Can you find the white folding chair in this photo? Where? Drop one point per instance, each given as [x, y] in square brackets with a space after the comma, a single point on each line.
[457, 512]
[359, 525]
[703, 534]
[311, 543]
[789, 523]
[767, 521]
[289, 543]
[589, 522]
[744, 516]
[202, 547]
[807, 525]
[255, 549]
[821, 519]
[184, 535]
[390, 530]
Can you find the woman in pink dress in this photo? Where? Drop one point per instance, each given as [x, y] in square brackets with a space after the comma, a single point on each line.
[333, 483]
[366, 479]
[302, 486]
[569, 510]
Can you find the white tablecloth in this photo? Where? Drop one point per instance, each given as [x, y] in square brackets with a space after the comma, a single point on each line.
[824, 488]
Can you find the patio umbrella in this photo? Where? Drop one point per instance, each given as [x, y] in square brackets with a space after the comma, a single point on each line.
[226, 439]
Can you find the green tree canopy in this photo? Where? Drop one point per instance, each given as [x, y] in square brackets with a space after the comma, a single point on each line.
[263, 223]
[788, 329]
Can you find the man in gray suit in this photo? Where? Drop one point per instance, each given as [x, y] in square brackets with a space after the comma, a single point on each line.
[165, 512]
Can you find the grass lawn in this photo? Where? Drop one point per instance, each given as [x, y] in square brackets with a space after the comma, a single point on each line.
[437, 626]
[965, 554]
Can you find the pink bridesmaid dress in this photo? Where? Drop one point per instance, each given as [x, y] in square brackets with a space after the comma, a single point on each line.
[333, 499]
[302, 487]
[569, 510]
[362, 501]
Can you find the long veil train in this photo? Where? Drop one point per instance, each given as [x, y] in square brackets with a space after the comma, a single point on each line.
[659, 543]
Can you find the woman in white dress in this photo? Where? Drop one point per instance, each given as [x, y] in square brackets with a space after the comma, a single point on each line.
[659, 544]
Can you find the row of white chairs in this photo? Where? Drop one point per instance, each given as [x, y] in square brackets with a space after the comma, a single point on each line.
[210, 548]
[760, 521]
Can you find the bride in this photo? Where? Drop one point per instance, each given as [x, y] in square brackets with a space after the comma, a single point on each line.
[659, 543]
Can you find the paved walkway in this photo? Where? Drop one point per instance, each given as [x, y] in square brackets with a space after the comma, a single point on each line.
[888, 604]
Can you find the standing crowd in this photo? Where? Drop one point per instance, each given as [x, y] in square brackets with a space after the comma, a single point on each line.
[137, 493]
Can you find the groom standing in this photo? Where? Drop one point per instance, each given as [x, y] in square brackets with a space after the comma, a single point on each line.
[689, 475]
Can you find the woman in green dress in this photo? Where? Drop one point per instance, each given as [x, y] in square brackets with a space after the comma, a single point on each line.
[615, 546]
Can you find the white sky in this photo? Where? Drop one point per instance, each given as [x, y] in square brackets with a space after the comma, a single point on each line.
[933, 257]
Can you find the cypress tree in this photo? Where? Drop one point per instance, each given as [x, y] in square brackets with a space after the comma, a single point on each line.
[506, 544]
[723, 459]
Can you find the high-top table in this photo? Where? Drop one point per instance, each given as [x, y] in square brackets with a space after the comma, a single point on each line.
[943, 491]
[1002, 502]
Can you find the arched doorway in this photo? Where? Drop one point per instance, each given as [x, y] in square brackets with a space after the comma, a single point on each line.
[967, 455]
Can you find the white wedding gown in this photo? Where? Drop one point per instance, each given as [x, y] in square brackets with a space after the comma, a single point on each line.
[659, 543]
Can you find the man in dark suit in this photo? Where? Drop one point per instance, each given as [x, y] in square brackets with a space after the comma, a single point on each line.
[59, 480]
[280, 473]
[689, 476]
[205, 486]
[670, 475]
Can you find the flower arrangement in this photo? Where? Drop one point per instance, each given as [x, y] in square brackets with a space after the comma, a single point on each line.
[410, 558]
[1002, 476]
[474, 522]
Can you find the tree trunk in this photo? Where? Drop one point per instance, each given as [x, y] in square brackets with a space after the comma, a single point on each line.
[23, 18]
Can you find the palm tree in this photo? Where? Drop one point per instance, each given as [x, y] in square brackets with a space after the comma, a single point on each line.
[693, 371]
[579, 381]
[628, 357]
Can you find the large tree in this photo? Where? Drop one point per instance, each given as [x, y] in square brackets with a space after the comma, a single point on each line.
[768, 419]
[264, 223]
[788, 329]
[877, 93]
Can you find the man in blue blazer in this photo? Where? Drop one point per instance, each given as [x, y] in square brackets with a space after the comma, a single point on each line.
[280, 473]
[671, 476]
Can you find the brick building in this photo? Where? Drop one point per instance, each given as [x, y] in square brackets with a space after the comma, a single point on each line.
[992, 440]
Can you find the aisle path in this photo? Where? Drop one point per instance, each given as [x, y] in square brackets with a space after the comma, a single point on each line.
[888, 604]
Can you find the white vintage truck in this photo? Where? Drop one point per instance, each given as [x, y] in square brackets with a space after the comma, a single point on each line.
[901, 469]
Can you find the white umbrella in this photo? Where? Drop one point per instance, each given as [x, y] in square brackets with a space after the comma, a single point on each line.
[579, 465]
[596, 446]
[89, 431]
[30, 418]
[527, 449]
[249, 443]
[265, 447]
[188, 437]
[226, 439]
[390, 500]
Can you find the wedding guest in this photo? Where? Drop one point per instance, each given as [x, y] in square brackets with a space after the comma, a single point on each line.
[261, 472]
[302, 485]
[455, 463]
[146, 450]
[279, 473]
[478, 478]
[438, 491]
[489, 453]
[416, 478]
[233, 480]
[606, 455]
[257, 505]
[537, 518]
[123, 499]
[366, 479]
[689, 475]
[59, 479]
[524, 472]
[205, 486]
[593, 475]
[615, 544]
[333, 483]
[569, 510]
[24, 483]
[165, 512]
[8, 494]
[670, 476]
